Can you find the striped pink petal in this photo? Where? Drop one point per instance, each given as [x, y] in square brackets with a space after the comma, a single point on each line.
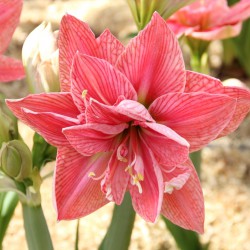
[57, 103]
[10, 69]
[47, 114]
[153, 62]
[74, 35]
[10, 11]
[198, 82]
[147, 201]
[49, 125]
[167, 146]
[109, 48]
[75, 193]
[99, 80]
[185, 207]
[89, 139]
[197, 117]
[124, 111]
[115, 182]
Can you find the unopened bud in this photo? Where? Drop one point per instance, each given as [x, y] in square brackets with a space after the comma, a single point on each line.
[16, 160]
[40, 59]
[5, 128]
[8, 123]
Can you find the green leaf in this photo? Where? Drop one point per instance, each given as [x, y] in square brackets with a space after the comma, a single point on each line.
[8, 203]
[185, 239]
[36, 229]
[42, 152]
[120, 230]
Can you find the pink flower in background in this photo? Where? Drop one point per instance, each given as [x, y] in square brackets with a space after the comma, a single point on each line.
[10, 10]
[127, 121]
[210, 19]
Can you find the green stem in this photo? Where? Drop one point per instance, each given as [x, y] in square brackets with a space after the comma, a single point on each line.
[196, 159]
[120, 229]
[8, 203]
[36, 229]
[185, 239]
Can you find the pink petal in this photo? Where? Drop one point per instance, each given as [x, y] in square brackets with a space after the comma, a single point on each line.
[9, 19]
[47, 114]
[242, 108]
[76, 194]
[125, 111]
[179, 29]
[135, 110]
[10, 69]
[49, 125]
[109, 48]
[167, 146]
[89, 139]
[58, 103]
[185, 207]
[101, 81]
[153, 62]
[218, 33]
[197, 117]
[176, 179]
[237, 13]
[97, 112]
[148, 203]
[115, 182]
[198, 82]
[74, 36]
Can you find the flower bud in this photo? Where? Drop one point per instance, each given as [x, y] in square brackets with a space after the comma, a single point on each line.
[16, 160]
[6, 128]
[143, 10]
[40, 59]
[8, 123]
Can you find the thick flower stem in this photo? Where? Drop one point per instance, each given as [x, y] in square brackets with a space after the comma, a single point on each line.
[36, 229]
[120, 229]
[196, 159]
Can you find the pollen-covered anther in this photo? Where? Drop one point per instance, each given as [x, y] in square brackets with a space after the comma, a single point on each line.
[84, 94]
[136, 179]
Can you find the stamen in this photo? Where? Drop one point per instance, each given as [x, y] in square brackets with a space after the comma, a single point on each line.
[136, 181]
[92, 175]
[84, 93]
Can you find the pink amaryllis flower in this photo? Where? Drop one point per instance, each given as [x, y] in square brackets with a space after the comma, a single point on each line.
[10, 10]
[210, 19]
[127, 120]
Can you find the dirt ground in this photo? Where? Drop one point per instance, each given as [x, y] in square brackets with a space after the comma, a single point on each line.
[225, 170]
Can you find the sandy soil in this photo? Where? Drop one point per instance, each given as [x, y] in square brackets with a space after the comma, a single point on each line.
[226, 162]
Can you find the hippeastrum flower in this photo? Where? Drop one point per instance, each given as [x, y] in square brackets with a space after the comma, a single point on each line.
[127, 121]
[10, 10]
[210, 19]
[142, 11]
